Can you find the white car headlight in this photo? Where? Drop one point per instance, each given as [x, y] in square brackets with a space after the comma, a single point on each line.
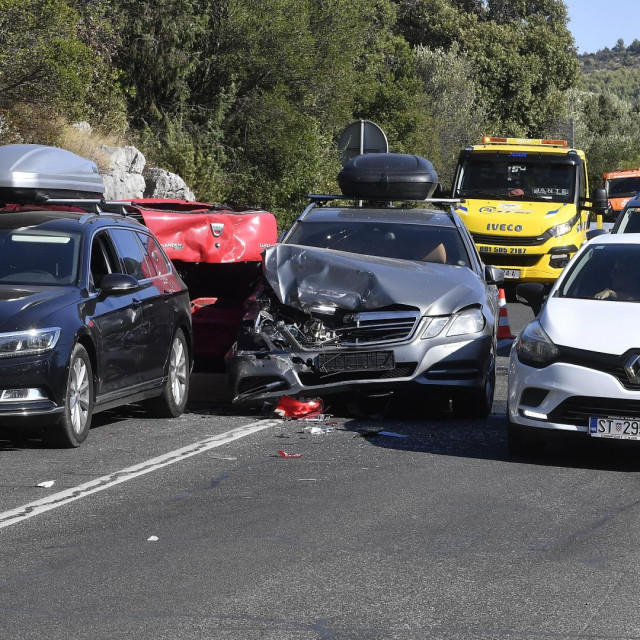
[534, 347]
[434, 326]
[28, 343]
[562, 229]
[469, 321]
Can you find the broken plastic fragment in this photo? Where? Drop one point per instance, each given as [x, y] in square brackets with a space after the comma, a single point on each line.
[284, 454]
[318, 429]
[316, 417]
[289, 407]
[46, 484]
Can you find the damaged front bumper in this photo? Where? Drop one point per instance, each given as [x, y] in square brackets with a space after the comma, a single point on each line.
[422, 366]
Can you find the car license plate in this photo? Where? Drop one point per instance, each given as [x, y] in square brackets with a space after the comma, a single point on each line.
[619, 428]
[511, 273]
[368, 361]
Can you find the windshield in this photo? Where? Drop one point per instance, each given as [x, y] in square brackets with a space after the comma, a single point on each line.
[630, 221]
[502, 178]
[393, 240]
[622, 187]
[605, 272]
[38, 257]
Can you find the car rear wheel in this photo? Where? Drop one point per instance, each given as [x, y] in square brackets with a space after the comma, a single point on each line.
[74, 426]
[173, 400]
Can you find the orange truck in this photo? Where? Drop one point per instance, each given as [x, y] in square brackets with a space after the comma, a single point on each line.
[621, 186]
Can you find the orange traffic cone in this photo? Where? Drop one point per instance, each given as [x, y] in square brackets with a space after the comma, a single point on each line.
[504, 329]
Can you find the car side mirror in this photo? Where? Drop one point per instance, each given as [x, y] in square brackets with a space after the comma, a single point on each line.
[494, 275]
[532, 294]
[599, 201]
[118, 283]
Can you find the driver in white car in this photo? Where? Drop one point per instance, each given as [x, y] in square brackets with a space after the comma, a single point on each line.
[624, 282]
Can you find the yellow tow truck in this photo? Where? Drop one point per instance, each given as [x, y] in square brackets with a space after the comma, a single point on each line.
[526, 204]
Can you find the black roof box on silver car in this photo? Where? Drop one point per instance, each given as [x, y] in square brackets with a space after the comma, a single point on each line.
[388, 176]
[31, 173]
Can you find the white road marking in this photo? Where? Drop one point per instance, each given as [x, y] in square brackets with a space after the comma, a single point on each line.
[13, 516]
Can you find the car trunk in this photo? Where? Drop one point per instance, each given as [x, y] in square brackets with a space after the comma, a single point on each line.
[218, 253]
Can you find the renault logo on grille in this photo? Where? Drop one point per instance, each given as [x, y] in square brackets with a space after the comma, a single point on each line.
[632, 368]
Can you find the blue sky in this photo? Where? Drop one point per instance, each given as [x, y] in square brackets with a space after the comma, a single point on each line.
[596, 24]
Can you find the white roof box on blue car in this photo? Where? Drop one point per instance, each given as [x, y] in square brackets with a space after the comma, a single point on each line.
[31, 173]
[388, 176]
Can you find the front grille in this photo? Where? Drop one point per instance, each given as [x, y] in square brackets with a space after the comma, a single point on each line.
[604, 362]
[377, 327]
[578, 409]
[510, 259]
[315, 378]
[510, 241]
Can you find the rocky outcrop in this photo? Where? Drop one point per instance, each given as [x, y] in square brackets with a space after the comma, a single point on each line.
[164, 184]
[123, 179]
[127, 177]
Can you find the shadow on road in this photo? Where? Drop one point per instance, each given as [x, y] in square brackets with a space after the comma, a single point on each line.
[487, 440]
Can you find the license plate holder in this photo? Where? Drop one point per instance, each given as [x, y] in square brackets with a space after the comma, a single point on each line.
[618, 428]
[356, 361]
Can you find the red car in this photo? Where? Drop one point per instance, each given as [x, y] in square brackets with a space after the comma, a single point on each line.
[217, 250]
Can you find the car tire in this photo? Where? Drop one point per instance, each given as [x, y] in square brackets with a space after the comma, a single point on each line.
[519, 441]
[73, 428]
[477, 403]
[173, 400]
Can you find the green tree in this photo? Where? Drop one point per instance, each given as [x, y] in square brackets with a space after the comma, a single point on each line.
[453, 98]
[522, 52]
[43, 61]
[608, 129]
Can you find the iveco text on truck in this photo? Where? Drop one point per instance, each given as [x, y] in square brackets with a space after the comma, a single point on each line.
[525, 204]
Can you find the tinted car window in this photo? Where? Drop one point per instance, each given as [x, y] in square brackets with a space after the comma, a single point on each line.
[136, 263]
[43, 257]
[103, 260]
[623, 186]
[606, 268]
[156, 256]
[394, 240]
[630, 221]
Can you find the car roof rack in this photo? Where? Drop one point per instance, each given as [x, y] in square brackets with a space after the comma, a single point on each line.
[90, 205]
[322, 198]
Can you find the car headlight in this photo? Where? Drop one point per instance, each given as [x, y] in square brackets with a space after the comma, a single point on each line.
[469, 321]
[562, 229]
[534, 347]
[434, 326]
[28, 343]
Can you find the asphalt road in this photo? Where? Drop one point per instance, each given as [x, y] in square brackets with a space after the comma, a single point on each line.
[171, 529]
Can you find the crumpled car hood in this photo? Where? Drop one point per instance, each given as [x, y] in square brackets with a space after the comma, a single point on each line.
[306, 277]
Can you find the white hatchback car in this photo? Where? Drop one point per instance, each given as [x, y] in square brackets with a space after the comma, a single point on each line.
[576, 367]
